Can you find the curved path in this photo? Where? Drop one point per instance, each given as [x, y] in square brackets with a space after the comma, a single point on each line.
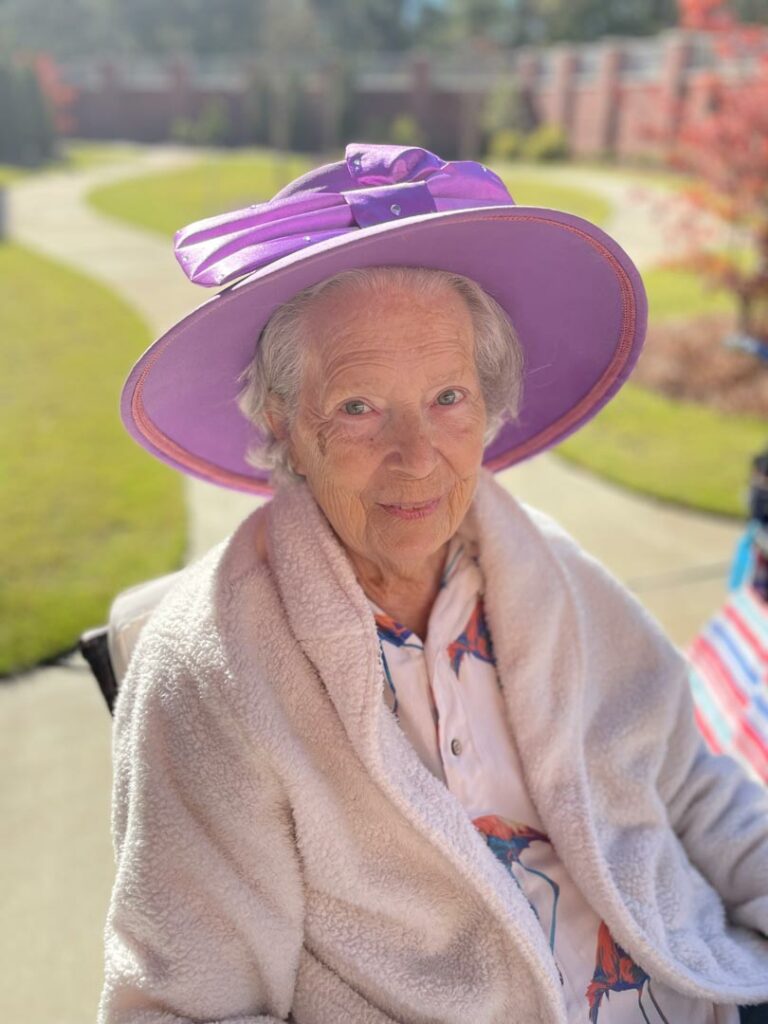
[56, 865]
[641, 221]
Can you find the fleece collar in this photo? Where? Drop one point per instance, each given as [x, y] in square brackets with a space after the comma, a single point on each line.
[339, 638]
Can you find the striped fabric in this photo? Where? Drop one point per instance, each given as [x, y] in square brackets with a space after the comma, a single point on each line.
[729, 680]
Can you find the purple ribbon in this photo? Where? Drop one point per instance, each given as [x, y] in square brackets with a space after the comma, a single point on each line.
[389, 183]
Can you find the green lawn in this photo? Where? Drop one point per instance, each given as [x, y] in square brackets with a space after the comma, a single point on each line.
[651, 175]
[80, 154]
[75, 155]
[166, 202]
[85, 511]
[8, 173]
[677, 294]
[527, 190]
[676, 451]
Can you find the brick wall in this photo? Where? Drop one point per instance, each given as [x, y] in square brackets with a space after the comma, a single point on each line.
[602, 94]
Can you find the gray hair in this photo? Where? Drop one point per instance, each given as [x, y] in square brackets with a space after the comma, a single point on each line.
[277, 364]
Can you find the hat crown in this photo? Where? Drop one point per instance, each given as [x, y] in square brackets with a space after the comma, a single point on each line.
[374, 184]
[368, 165]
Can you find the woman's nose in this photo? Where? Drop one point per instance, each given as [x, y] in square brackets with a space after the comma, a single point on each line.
[412, 446]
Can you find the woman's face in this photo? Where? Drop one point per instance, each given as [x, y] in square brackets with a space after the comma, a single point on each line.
[389, 429]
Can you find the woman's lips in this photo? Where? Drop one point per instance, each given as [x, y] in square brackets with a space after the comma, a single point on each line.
[412, 510]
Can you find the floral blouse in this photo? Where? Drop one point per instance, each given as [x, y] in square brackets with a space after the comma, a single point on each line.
[446, 695]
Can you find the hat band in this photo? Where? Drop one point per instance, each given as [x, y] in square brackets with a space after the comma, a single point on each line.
[371, 206]
[218, 250]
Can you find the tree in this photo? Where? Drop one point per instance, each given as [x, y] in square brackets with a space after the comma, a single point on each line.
[513, 23]
[726, 149]
[58, 95]
[585, 20]
[28, 135]
[86, 27]
[509, 107]
[363, 24]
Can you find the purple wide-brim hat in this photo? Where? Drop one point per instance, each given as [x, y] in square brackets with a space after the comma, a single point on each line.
[573, 295]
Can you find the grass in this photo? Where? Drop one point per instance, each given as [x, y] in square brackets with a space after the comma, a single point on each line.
[680, 294]
[76, 155]
[676, 451]
[166, 202]
[85, 511]
[82, 154]
[527, 190]
[651, 175]
[9, 173]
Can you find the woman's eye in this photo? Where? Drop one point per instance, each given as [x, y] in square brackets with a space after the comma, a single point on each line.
[449, 397]
[355, 407]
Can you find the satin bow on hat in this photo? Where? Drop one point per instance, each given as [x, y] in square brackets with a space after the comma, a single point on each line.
[389, 184]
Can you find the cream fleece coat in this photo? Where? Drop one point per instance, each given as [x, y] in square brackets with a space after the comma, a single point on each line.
[283, 854]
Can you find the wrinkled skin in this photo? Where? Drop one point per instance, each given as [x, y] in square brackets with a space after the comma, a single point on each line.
[391, 412]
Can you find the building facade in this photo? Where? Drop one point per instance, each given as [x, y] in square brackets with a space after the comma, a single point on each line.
[605, 96]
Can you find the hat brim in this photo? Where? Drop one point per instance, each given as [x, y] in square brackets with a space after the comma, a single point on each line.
[572, 293]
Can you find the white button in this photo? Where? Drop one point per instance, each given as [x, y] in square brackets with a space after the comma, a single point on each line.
[455, 747]
[396, 209]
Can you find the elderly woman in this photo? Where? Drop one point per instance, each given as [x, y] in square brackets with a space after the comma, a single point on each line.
[398, 749]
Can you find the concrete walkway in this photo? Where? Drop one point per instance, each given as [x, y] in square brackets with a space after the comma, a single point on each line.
[641, 221]
[56, 865]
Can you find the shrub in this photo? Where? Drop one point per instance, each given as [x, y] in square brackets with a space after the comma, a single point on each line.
[405, 131]
[505, 144]
[210, 128]
[256, 111]
[509, 105]
[547, 142]
[183, 129]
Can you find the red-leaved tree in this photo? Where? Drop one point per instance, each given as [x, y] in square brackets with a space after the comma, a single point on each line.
[725, 148]
[58, 95]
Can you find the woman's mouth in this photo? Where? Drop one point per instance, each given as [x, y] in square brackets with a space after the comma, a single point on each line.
[411, 509]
